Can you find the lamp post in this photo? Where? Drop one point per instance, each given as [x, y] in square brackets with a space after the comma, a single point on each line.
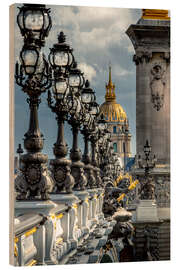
[34, 22]
[87, 98]
[105, 159]
[102, 128]
[147, 191]
[34, 76]
[110, 169]
[94, 150]
[60, 59]
[93, 111]
[75, 119]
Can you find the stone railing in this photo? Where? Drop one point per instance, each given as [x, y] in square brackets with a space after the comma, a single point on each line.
[49, 232]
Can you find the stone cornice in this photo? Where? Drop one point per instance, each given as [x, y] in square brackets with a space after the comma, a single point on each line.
[156, 36]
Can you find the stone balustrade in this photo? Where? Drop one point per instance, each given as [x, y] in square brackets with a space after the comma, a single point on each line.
[49, 232]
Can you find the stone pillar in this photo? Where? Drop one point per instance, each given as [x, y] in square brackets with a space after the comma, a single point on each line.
[151, 42]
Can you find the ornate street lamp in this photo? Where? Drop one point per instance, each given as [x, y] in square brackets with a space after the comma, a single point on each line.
[94, 108]
[76, 79]
[94, 111]
[116, 165]
[148, 187]
[34, 76]
[34, 22]
[30, 59]
[102, 124]
[148, 164]
[76, 118]
[60, 166]
[87, 96]
[108, 161]
[103, 148]
[61, 57]
[147, 150]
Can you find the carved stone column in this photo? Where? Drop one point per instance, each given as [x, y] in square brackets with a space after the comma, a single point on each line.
[151, 42]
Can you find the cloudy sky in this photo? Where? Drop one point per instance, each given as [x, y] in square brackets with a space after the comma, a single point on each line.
[98, 38]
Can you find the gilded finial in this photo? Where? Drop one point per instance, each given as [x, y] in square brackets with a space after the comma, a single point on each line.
[110, 80]
[110, 88]
[155, 14]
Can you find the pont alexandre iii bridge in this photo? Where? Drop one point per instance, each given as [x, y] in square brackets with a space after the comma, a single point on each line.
[85, 208]
[91, 226]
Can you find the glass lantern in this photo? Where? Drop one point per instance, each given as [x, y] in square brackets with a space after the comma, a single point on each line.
[102, 124]
[60, 88]
[61, 56]
[29, 57]
[94, 109]
[87, 94]
[76, 79]
[34, 21]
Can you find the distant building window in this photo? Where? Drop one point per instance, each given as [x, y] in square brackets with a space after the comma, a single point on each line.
[114, 129]
[115, 147]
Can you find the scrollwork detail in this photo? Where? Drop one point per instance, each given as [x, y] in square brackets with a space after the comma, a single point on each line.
[142, 57]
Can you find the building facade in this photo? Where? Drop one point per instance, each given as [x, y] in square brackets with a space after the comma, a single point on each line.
[118, 123]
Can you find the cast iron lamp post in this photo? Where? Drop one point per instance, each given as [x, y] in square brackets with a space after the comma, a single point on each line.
[93, 140]
[102, 125]
[34, 22]
[94, 143]
[108, 159]
[60, 58]
[76, 118]
[87, 96]
[34, 76]
[116, 166]
[148, 187]
[104, 144]
[111, 162]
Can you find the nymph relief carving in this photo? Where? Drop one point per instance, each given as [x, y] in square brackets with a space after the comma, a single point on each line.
[157, 85]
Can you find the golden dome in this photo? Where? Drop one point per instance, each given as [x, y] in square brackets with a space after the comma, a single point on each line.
[112, 111]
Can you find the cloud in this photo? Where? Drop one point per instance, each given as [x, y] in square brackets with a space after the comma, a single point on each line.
[89, 71]
[98, 37]
[119, 71]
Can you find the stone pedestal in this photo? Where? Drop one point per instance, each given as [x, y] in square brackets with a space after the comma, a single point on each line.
[83, 211]
[100, 203]
[70, 222]
[92, 207]
[51, 231]
[147, 211]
